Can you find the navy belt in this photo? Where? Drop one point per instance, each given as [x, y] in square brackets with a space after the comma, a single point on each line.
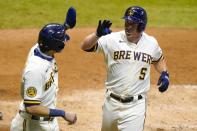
[33, 117]
[124, 100]
[39, 118]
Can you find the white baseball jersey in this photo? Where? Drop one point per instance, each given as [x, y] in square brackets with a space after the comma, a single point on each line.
[128, 64]
[39, 80]
[39, 87]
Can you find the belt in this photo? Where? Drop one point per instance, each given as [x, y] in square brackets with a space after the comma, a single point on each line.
[33, 117]
[126, 99]
[38, 118]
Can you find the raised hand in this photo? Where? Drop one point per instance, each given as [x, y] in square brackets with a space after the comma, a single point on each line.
[103, 28]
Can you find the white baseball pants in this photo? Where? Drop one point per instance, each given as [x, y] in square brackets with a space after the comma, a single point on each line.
[119, 116]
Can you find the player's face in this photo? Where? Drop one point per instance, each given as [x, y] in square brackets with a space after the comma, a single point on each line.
[130, 27]
[131, 31]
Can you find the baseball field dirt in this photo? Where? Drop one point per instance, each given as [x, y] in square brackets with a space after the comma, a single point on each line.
[82, 75]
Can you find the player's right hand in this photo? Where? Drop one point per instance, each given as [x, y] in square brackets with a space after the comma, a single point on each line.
[103, 28]
[70, 117]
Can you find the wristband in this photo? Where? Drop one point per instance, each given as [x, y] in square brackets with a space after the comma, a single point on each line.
[56, 112]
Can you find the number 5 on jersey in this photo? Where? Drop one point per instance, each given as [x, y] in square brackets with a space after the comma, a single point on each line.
[142, 73]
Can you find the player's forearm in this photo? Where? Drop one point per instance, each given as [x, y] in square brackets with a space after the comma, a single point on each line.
[38, 110]
[89, 41]
[44, 111]
[161, 66]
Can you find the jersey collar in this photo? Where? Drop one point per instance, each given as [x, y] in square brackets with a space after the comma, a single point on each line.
[38, 53]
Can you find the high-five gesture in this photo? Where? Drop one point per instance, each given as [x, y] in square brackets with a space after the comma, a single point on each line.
[103, 28]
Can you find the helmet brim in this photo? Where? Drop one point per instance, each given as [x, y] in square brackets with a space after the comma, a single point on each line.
[131, 18]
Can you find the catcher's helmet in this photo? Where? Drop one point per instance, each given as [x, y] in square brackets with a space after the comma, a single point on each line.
[138, 15]
[52, 37]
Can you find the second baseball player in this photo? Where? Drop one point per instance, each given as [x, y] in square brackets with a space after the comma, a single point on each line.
[128, 55]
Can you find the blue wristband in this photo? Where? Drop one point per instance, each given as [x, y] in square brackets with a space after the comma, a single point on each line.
[56, 112]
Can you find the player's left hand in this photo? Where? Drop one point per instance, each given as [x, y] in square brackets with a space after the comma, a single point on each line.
[70, 117]
[163, 81]
[70, 20]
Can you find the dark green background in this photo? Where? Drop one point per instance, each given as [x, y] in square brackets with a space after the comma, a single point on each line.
[35, 13]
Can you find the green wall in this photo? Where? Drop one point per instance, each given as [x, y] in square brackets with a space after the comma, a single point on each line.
[35, 13]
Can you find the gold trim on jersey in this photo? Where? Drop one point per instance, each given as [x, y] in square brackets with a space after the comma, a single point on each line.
[55, 67]
[32, 102]
[161, 58]
[49, 82]
[22, 89]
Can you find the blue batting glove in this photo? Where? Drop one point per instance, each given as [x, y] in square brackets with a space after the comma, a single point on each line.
[163, 81]
[70, 21]
[103, 28]
[106, 31]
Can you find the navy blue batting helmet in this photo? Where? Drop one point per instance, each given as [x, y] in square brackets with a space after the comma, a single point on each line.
[52, 37]
[137, 15]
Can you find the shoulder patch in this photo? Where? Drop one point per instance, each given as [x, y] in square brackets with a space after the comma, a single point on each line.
[31, 91]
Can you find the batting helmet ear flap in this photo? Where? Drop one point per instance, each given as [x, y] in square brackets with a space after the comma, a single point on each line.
[43, 47]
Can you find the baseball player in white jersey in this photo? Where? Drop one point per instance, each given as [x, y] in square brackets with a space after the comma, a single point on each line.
[128, 55]
[37, 111]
